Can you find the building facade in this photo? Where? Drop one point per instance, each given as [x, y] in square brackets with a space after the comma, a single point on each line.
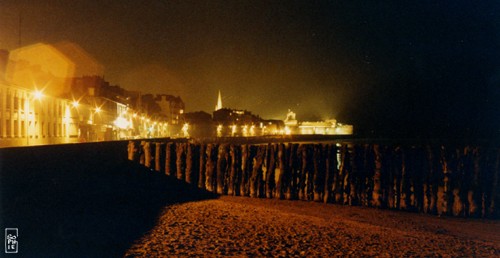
[30, 118]
[172, 108]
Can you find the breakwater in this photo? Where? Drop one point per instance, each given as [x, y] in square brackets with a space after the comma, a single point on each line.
[453, 180]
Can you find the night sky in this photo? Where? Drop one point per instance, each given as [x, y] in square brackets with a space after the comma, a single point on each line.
[420, 69]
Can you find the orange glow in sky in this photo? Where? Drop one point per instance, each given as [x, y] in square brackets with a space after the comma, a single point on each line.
[40, 66]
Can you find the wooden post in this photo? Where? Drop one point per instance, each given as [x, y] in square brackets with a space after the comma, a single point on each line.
[157, 156]
[244, 188]
[181, 161]
[474, 190]
[405, 180]
[147, 154]
[459, 183]
[494, 210]
[413, 166]
[202, 167]
[138, 151]
[256, 177]
[397, 177]
[487, 180]
[342, 185]
[385, 174]
[354, 176]
[319, 172]
[269, 170]
[367, 175]
[404, 186]
[330, 171]
[189, 163]
[435, 180]
[260, 175]
[281, 172]
[195, 163]
[142, 156]
[444, 190]
[232, 171]
[169, 159]
[302, 153]
[210, 168]
[131, 150]
[418, 179]
[294, 168]
[377, 178]
[234, 177]
[221, 169]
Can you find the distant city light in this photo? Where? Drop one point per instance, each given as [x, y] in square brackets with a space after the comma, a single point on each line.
[287, 130]
[98, 109]
[185, 129]
[121, 123]
[219, 130]
[38, 94]
[75, 104]
[245, 130]
[233, 130]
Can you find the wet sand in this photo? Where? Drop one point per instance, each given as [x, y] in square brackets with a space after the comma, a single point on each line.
[241, 226]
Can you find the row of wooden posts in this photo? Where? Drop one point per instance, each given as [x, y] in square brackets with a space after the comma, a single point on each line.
[456, 181]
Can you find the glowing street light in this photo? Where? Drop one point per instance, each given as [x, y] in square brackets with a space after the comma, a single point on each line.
[75, 103]
[287, 130]
[219, 130]
[38, 95]
[121, 123]
[233, 130]
[98, 109]
[245, 130]
[185, 129]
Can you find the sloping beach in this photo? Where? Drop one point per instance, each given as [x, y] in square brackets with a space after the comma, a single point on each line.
[240, 226]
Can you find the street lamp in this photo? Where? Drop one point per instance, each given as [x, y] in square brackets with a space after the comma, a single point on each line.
[35, 95]
[185, 129]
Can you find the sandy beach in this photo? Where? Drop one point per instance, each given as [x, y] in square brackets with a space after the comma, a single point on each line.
[240, 226]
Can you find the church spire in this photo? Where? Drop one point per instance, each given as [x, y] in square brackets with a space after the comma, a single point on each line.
[219, 103]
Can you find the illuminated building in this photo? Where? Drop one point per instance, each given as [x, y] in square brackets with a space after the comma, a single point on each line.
[171, 107]
[326, 127]
[200, 124]
[29, 117]
[52, 107]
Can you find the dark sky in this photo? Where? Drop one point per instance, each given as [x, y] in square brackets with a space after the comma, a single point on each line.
[422, 68]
